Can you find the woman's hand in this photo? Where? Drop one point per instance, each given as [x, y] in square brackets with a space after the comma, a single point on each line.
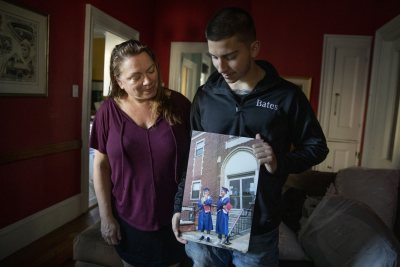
[265, 155]
[110, 231]
[175, 227]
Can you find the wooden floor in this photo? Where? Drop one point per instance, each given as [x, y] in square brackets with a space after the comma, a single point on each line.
[54, 249]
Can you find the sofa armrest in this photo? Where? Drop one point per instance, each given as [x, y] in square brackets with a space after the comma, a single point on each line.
[89, 249]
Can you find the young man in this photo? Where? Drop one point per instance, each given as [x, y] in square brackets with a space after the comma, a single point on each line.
[222, 223]
[247, 98]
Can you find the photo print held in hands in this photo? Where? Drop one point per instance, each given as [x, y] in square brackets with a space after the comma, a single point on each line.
[220, 190]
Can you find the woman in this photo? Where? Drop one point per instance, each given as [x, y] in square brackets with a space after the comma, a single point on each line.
[205, 219]
[141, 137]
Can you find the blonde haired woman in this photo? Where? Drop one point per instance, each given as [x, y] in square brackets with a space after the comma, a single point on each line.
[141, 135]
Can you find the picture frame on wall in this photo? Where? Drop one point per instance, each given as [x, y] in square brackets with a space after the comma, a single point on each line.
[303, 82]
[23, 51]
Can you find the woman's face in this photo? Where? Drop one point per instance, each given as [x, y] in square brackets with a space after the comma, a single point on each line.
[139, 77]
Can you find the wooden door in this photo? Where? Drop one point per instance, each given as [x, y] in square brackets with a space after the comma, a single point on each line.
[348, 93]
[342, 97]
[341, 155]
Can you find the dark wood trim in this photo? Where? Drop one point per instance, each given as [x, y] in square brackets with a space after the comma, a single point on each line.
[41, 151]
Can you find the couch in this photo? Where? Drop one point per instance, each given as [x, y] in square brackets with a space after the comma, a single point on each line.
[324, 214]
[348, 218]
[90, 250]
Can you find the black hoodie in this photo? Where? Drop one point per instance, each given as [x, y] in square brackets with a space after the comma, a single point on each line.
[280, 112]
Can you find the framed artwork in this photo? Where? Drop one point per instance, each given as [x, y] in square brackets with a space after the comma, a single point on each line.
[220, 191]
[23, 51]
[303, 82]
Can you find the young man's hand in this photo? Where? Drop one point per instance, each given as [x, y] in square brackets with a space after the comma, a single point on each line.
[265, 155]
[175, 227]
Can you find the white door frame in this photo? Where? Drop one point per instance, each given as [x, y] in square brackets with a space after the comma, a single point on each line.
[191, 73]
[382, 131]
[175, 61]
[96, 21]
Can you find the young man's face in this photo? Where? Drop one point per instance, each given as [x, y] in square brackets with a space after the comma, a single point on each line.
[232, 58]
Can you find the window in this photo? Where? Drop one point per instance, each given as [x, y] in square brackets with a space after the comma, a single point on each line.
[242, 191]
[199, 148]
[196, 185]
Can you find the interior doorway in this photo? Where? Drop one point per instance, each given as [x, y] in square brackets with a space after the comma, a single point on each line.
[382, 131]
[98, 25]
[189, 67]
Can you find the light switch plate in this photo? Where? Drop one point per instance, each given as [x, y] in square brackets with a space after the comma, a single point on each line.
[75, 90]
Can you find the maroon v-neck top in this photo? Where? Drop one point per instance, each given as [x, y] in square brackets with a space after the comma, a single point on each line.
[146, 164]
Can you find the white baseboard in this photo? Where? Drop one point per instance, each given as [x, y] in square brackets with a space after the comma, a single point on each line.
[29, 229]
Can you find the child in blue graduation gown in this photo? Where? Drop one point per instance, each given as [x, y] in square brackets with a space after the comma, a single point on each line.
[205, 220]
[223, 208]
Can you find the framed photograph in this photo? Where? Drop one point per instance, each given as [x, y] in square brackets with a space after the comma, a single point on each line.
[23, 51]
[303, 82]
[220, 191]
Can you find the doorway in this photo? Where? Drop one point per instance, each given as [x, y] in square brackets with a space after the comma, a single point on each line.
[382, 131]
[240, 175]
[98, 25]
[242, 193]
[190, 66]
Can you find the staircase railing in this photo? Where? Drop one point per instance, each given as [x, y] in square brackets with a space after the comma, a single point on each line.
[242, 224]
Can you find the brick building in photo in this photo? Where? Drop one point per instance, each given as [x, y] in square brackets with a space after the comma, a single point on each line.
[218, 160]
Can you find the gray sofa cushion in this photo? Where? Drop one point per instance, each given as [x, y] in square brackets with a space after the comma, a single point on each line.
[378, 188]
[346, 232]
[289, 247]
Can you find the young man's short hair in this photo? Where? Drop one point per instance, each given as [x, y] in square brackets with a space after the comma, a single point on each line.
[230, 22]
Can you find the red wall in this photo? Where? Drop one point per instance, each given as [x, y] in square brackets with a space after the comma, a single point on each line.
[291, 34]
[29, 186]
[184, 21]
